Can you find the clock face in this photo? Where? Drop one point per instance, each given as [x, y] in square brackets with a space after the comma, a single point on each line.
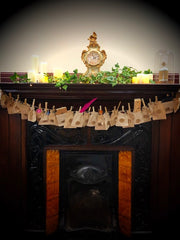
[93, 58]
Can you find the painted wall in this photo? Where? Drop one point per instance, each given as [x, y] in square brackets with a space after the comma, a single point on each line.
[131, 32]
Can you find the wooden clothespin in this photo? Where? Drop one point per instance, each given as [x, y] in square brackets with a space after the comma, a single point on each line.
[122, 110]
[100, 110]
[53, 109]
[25, 101]
[144, 105]
[46, 104]
[118, 105]
[129, 107]
[17, 99]
[33, 103]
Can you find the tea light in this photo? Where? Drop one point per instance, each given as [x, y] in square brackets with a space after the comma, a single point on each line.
[145, 79]
[57, 73]
[140, 77]
[44, 79]
[38, 77]
[135, 80]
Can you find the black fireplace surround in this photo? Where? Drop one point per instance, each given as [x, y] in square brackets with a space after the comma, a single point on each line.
[88, 178]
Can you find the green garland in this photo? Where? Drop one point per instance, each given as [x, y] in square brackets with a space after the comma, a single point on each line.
[116, 76]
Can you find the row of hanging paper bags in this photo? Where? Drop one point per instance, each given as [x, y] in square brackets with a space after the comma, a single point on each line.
[100, 120]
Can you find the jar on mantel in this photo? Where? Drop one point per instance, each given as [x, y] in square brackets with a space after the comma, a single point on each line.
[164, 66]
[163, 73]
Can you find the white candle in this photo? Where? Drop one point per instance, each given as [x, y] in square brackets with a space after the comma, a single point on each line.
[43, 67]
[31, 76]
[35, 63]
[38, 77]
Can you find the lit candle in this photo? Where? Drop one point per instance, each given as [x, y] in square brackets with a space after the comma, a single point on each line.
[43, 67]
[57, 73]
[35, 63]
[135, 80]
[31, 76]
[140, 77]
[44, 79]
[38, 77]
[145, 79]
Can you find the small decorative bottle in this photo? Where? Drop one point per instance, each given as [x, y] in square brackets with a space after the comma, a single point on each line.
[163, 74]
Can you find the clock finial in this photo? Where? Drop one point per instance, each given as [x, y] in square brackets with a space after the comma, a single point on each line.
[92, 41]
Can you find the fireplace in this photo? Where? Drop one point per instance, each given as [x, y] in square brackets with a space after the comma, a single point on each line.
[32, 156]
[103, 185]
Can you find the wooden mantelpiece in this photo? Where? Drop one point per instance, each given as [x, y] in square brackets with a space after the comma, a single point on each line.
[86, 91]
[78, 94]
[165, 154]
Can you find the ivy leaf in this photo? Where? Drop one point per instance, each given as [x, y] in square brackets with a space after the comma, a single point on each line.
[65, 87]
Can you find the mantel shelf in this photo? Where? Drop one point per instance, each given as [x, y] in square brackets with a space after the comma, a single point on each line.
[88, 91]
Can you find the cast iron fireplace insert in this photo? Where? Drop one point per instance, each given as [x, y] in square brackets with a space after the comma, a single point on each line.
[67, 148]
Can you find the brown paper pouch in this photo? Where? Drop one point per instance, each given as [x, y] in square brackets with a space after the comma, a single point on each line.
[122, 119]
[78, 119]
[69, 119]
[100, 123]
[61, 119]
[44, 119]
[138, 118]
[168, 106]
[32, 115]
[158, 111]
[146, 114]
[92, 119]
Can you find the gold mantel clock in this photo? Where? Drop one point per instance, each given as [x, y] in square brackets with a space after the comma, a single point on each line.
[93, 58]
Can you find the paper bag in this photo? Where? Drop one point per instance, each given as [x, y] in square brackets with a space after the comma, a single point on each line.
[4, 100]
[157, 110]
[32, 113]
[78, 120]
[92, 118]
[122, 119]
[25, 109]
[69, 119]
[168, 107]
[39, 113]
[114, 116]
[100, 123]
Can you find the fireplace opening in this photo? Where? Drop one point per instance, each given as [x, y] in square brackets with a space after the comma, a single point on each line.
[90, 187]
[88, 190]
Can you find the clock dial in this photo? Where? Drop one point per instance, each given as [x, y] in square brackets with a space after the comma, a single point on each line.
[93, 58]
